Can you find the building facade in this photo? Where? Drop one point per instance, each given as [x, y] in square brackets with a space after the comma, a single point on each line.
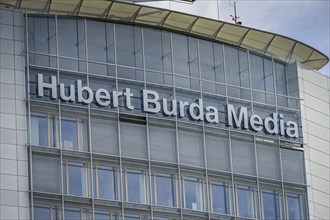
[114, 119]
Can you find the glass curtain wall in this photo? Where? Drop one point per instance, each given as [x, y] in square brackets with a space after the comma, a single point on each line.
[113, 163]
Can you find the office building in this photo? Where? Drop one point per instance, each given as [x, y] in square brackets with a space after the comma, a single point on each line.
[112, 110]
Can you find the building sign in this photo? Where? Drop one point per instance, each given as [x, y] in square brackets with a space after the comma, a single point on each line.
[151, 103]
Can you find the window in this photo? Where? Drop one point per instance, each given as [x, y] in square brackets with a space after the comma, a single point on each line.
[193, 193]
[296, 206]
[293, 165]
[164, 188]
[243, 155]
[42, 212]
[219, 197]
[43, 129]
[162, 142]
[135, 186]
[245, 201]
[74, 133]
[191, 147]
[271, 205]
[133, 139]
[105, 182]
[46, 174]
[104, 136]
[76, 214]
[75, 179]
[106, 215]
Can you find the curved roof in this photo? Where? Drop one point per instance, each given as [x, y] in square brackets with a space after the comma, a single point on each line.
[279, 46]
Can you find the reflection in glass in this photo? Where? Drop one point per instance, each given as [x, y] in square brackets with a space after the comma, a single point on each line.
[193, 193]
[220, 197]
[165, 189]
[270, 201]
[245, 201]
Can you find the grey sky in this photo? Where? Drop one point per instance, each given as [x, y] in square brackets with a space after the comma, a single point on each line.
[307, 21]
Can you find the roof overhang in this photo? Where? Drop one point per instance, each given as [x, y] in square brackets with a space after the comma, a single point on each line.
[272, 44]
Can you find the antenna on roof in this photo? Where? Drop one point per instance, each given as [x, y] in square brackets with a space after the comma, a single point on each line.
[235, 17]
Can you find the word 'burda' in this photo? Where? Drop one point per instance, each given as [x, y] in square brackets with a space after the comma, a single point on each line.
[151, 103]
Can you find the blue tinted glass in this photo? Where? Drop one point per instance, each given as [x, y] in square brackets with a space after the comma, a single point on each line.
[41, 213]
[71, 214]
[245, 202]
[295, 207]
[102, 216]
[69, 134]
[136, 187]
[165, 190]
[39, 134]
[193, 194]
[271, 205]
[220, 200]
[76, 180]
[106, 184]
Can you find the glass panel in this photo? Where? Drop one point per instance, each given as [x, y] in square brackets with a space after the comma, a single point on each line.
[243, 156]
[106, 183]
[158, 55]
[191, 147]
[165, 189]
[101, 216]
[236, 67]
[46, 174]
[136, 186]
[41, 213]
[268, 161]
[104, 136]
[295, 206]
[293, 166]
[77, 179]
[42, 130]
[193, 193]
[71, 38]
[129, 45]
[281, 82]
[162, 143]
[271, 209]
[220, 198]
[217, 149]
[70, 214]
[133, 140]
[245, 201]
[211, 56]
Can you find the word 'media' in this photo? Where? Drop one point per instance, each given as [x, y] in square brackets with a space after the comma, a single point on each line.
[152, 103]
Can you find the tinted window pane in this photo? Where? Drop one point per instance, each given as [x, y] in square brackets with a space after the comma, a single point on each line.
[193, 193]
[165, 186]
[271, 205]
[220, 200]
[136, 186]
[295, 206]
[245, 202]
[41, 213]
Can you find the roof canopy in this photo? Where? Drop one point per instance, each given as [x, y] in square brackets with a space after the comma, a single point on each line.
[281, 47]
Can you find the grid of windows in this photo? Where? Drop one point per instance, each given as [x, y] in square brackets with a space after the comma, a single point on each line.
[109, 163]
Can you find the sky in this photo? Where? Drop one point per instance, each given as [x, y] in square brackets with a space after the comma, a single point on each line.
[307, 21]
